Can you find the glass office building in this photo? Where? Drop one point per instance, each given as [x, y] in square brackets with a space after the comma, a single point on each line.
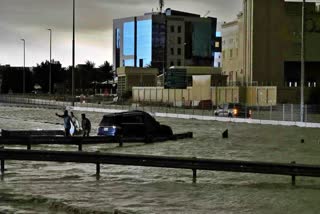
[160, 40]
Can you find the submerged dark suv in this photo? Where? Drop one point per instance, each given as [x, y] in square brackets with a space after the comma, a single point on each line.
[132, 124]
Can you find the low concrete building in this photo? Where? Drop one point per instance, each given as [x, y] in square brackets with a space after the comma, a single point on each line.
[217, 78]
[135, 76]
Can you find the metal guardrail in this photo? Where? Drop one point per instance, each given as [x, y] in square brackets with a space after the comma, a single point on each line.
[194, 164]
[79, 141]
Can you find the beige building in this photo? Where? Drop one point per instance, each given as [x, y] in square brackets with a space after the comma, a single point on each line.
[269, 44]
[232, 51]
[129, 77]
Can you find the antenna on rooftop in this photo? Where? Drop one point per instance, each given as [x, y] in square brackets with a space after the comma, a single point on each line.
[161, 5]
[206, 14]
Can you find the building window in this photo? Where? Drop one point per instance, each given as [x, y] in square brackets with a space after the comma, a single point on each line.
[144, 42]
[219, 64]
[179, 40]
[128, 38]
[172, 29]
[171, 63]
[217, 44]
[172, 51]
[223, 54]
[231, 53]
[179, 51]
[117, 38]
[179, 62]
[128, 62]
[179, 29]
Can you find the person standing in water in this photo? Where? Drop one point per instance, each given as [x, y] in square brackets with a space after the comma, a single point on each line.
[75, 123]
[86, 125]
[66, 122]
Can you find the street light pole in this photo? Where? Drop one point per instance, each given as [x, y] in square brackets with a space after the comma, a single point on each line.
[24, 67]
[302, 62]
[73, 49]
[50, 83]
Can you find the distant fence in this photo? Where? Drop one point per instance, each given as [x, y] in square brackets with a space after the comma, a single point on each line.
[280, 112]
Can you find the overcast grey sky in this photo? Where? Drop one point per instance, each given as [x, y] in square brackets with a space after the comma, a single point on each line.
[30, 19]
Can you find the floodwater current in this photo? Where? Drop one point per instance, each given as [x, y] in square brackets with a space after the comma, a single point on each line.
[43, 187]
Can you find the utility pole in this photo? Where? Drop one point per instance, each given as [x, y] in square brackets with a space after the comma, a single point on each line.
[24, 67]
[73, 50]
[50, 75]
[302, 62]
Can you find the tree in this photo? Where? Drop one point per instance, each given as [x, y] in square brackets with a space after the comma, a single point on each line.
[84, 75]
[12, 78]
[41, 74]
[106, 71]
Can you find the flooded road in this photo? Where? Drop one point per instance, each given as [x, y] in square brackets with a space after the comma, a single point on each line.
[41, 187]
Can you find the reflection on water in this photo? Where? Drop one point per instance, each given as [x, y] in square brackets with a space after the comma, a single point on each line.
[41, 187]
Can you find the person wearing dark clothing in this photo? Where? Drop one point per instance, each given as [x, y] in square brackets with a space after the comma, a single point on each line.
[86, 125]
[66, 122]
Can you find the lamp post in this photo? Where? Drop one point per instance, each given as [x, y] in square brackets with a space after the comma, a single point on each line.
[302, 63]
[24, 67]
[73, 51]
[50, 83]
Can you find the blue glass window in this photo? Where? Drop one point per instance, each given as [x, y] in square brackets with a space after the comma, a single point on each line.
[218, 34]
[128, 38]
[128, 62]
[118, 37]
[144, 42]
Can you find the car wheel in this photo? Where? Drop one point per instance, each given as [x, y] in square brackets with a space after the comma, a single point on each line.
[229, 115]
[215, 114]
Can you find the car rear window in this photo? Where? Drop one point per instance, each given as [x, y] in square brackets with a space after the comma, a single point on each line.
[107, 121]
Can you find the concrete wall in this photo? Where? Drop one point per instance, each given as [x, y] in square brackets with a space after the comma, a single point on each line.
[262, 96]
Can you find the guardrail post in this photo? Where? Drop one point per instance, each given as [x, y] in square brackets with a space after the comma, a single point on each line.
[29, 147]
[2, 163]
[293, 177]
[194, 176]
[98, 169]
[194, 173]
[79, 147]
[2, 166]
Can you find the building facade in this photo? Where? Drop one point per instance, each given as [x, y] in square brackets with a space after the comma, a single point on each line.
[161, 40]
[269, 48]
[232, 51]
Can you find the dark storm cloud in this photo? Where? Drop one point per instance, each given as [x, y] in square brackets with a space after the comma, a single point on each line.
[29, 19]
[98, 14]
